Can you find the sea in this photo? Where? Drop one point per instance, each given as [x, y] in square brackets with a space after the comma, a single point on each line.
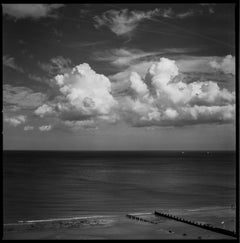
[40, 185]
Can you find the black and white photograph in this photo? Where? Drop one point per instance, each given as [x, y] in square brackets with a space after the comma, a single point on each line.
[119, 121]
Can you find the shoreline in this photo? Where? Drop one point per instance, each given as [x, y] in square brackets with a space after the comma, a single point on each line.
[120, 227]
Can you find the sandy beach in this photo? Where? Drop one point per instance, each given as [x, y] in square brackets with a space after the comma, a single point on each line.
[121, 227]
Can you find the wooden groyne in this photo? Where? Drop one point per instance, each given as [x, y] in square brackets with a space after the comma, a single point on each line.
[198, 224]
[136, 217]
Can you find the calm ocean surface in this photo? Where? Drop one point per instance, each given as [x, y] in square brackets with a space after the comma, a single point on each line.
[43, 185]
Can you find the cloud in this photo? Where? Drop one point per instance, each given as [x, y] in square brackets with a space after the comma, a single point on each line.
[83, 95]
[28, 128]
[11, 63]
[45, 128]
[22, 97]
[184, 15]
[127, 57]
[35, 77]
[191, 68]
[122, 22]
[160, 97]
[15, 120]
[85, 44]
[123, 57]
[79, 125]
[137, 84]
[34, 11]
[57, 65]
[200, 64]
[166, 13]
[172, 14]
[44, 110]
[226, 65]
[163, 99]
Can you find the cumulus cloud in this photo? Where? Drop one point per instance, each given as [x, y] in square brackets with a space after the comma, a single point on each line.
[10, 62]
[191, 68]
[137, 84]
[56, 65]
[162, 99]
[84, 95]
[15, 120]
[22, 97]
[45, 128]
[34, 11]
[44, 110]
[28, 128]
[123, 21]
[226, 65]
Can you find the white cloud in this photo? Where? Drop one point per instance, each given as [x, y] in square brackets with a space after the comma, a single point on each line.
[171, 113]
[226, 65]
[28, 128]
[45, 128]
[167, 100]
[34, 11]
[86, 90]
[84, 95]
[123, 21]
[11, 63]
[191, 68]
[22, 97]
[15, 120]
[158, 97]
[44, 110]
[137, 84]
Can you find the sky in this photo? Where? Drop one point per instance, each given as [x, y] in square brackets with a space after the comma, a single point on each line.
[118, 76]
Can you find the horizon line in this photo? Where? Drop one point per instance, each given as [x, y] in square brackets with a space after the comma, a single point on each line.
[147, 150]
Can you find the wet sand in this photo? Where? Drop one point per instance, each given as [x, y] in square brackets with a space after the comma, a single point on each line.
[121, 227]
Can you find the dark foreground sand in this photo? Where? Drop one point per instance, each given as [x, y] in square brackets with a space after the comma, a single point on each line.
[121, 227]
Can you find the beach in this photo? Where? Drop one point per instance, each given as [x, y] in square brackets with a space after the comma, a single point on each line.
[121, 227]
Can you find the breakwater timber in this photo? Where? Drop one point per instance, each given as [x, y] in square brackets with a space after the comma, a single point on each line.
[198, 224]
[136, 217]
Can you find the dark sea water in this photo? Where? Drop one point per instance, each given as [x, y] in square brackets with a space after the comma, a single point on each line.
[43, 185]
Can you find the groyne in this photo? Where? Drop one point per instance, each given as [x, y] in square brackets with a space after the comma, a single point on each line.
[198, 224]
[137, 217]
